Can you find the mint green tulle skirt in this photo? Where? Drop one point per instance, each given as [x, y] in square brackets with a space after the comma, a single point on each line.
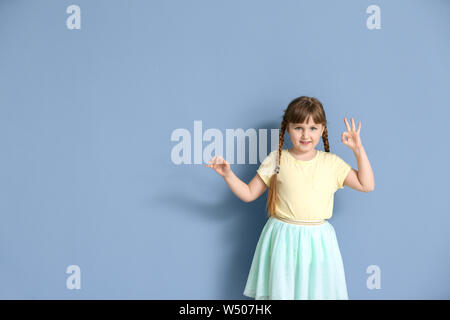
[296, 262]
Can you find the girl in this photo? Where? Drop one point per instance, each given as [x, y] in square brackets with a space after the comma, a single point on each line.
[297, 255]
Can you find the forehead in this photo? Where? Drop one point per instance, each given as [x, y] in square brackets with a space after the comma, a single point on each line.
[311, 123]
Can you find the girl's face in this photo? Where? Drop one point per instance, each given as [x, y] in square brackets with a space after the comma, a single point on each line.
[305, 132]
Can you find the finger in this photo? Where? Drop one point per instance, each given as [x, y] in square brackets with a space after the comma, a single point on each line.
[343, 140]
[359, 127]
[353, 125]
[346, 124]
[343, 137]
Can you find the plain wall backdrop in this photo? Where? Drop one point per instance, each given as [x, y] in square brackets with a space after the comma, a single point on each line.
[87, 176]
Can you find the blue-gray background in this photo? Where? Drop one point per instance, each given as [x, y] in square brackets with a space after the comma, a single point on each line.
[86, 116]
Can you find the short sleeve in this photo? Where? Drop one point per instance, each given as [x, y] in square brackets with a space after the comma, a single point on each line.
[267, 167]
[341, 170]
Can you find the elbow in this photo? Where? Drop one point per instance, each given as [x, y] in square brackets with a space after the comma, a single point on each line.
[369, 189]
[248, 199]
[244, 198]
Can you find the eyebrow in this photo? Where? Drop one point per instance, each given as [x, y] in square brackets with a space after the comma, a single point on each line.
[300, 125]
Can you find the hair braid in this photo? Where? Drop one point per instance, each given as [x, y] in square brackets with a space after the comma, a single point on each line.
[272, 198]
[326, 145]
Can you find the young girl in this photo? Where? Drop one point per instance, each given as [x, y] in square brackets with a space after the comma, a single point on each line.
[297, 255]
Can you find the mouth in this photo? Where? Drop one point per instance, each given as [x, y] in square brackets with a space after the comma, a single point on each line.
[305, 142]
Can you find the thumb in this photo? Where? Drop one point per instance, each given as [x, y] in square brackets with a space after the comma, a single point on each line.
[344, 135]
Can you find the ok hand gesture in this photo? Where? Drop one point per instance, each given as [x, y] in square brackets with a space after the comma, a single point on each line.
[353, 140]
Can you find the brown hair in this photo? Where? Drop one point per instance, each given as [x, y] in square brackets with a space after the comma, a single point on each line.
[297, 111]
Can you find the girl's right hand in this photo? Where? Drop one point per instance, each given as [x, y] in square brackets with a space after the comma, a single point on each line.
[220, 165]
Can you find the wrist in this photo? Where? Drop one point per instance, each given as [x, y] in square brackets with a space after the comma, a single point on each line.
[228, 174]
[358, 149]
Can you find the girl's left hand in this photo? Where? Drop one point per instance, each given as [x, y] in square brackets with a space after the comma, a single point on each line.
[353, 140]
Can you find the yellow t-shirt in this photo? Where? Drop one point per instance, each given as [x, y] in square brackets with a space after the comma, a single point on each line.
[305, 189]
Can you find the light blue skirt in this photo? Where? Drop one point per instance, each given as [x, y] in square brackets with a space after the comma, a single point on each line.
[296, 262]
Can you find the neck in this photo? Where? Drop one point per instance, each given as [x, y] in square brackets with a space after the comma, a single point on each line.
[306, 155]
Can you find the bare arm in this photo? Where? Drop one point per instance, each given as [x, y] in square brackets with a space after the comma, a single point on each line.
[363, 179]
[364, 175]
[246, 193]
